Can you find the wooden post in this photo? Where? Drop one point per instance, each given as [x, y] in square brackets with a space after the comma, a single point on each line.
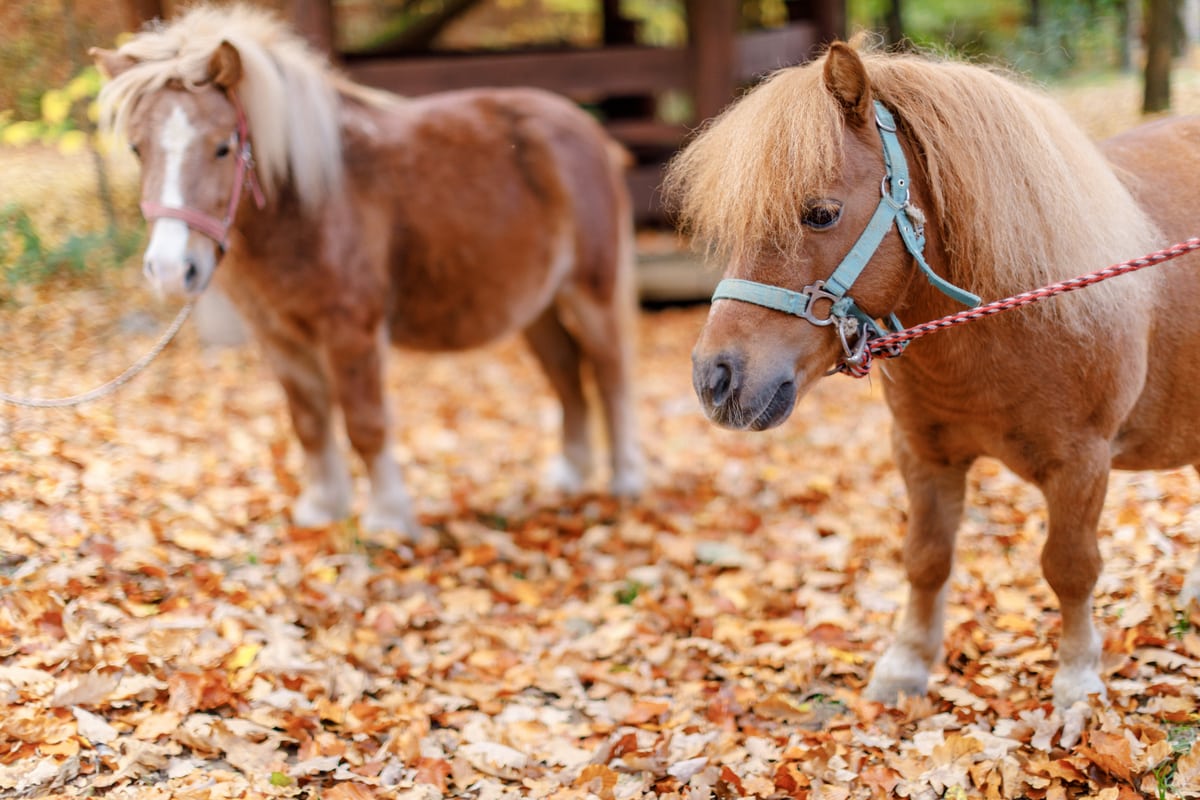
[712, 31]
[139, 12]
[314, 21]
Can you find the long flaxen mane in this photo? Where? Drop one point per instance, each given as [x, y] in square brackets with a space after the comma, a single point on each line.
[1021, 196]
[289, 93]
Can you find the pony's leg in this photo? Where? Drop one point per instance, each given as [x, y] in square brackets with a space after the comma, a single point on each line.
[1071, 563]
[605, 331]
[357, 355]
[935, 498]
[558, 355]
[327, 491]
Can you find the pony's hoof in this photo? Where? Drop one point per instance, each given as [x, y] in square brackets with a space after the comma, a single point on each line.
[1077, 686]
[627, 484]
[391, 520]
[897, 672]
[316, 509]
[563, 476]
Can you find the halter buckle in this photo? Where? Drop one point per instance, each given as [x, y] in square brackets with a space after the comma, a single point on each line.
[816, 291]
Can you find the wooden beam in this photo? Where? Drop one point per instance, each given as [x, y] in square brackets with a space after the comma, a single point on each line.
[712, 29]
[585, 73]
[763, 52]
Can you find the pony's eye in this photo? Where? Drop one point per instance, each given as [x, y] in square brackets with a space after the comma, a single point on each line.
[222, 149]
[133, 148]
[822, 214]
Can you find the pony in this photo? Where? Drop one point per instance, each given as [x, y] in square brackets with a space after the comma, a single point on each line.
[340, 219]
[864, 188]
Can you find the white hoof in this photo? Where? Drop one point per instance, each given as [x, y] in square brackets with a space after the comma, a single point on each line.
[319, 506]
[627, 483]
[563, 476]
[898, 671]
[391, 519]
[1073, 686]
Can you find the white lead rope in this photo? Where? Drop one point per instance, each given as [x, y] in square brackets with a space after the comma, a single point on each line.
[112, 385]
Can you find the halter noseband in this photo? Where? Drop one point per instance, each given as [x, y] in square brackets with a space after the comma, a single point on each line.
[855, 327]
[244, 174]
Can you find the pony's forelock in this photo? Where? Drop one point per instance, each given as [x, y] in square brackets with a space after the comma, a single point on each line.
[287, 90]
[741, 185]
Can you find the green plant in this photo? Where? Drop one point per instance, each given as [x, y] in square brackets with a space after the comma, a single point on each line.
[628, 592]
[1181, 738]
[26, 257]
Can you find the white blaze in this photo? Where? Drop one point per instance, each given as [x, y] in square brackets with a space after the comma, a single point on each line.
[167, 251]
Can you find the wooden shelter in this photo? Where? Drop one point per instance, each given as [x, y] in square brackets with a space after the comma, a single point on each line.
[621, 78]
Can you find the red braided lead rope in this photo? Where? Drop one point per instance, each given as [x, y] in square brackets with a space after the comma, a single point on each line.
[890, 346]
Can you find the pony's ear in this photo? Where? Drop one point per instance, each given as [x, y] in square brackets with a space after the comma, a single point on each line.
[110, 62]
[225, 66]
[846, 79]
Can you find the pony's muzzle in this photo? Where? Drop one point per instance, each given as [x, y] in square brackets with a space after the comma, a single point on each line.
[729, 398]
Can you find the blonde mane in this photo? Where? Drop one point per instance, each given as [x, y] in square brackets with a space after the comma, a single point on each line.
[1020, 195]
[289, 93]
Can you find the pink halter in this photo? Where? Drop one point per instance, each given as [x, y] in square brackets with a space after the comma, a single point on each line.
[213, 228]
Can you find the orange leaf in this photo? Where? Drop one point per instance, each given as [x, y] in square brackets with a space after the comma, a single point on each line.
[644, 711]
[791, 780]
[433, 771]
[729, 785]
[349, 791]
[597, 779]
[1111, 753]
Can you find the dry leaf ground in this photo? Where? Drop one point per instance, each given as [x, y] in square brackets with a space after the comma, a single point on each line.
[164, 632]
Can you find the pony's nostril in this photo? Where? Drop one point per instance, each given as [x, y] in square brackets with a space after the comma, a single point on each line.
[148, 268]
[720, 382]
[191, 277]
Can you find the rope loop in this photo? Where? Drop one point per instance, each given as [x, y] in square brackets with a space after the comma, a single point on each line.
[111, 386]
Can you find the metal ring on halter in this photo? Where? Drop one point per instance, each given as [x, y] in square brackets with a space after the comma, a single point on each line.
[854, 353]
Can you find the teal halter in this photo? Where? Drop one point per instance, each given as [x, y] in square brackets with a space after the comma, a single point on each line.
[855, 326]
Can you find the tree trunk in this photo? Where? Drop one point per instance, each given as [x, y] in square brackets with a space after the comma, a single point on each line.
[1161, 30]
[894, 24]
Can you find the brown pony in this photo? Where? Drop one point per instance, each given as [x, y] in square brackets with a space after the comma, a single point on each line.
[437, 223]
[1012, 196]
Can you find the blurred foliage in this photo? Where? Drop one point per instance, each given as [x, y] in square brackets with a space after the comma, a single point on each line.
[93, 236]
[45, 42]
[66, 116]
[1067, 38]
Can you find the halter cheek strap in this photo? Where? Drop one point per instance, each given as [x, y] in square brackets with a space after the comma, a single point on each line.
[828, 302]
[244, 175]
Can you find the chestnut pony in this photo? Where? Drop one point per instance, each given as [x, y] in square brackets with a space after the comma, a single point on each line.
[988, 189]
[360, 218]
